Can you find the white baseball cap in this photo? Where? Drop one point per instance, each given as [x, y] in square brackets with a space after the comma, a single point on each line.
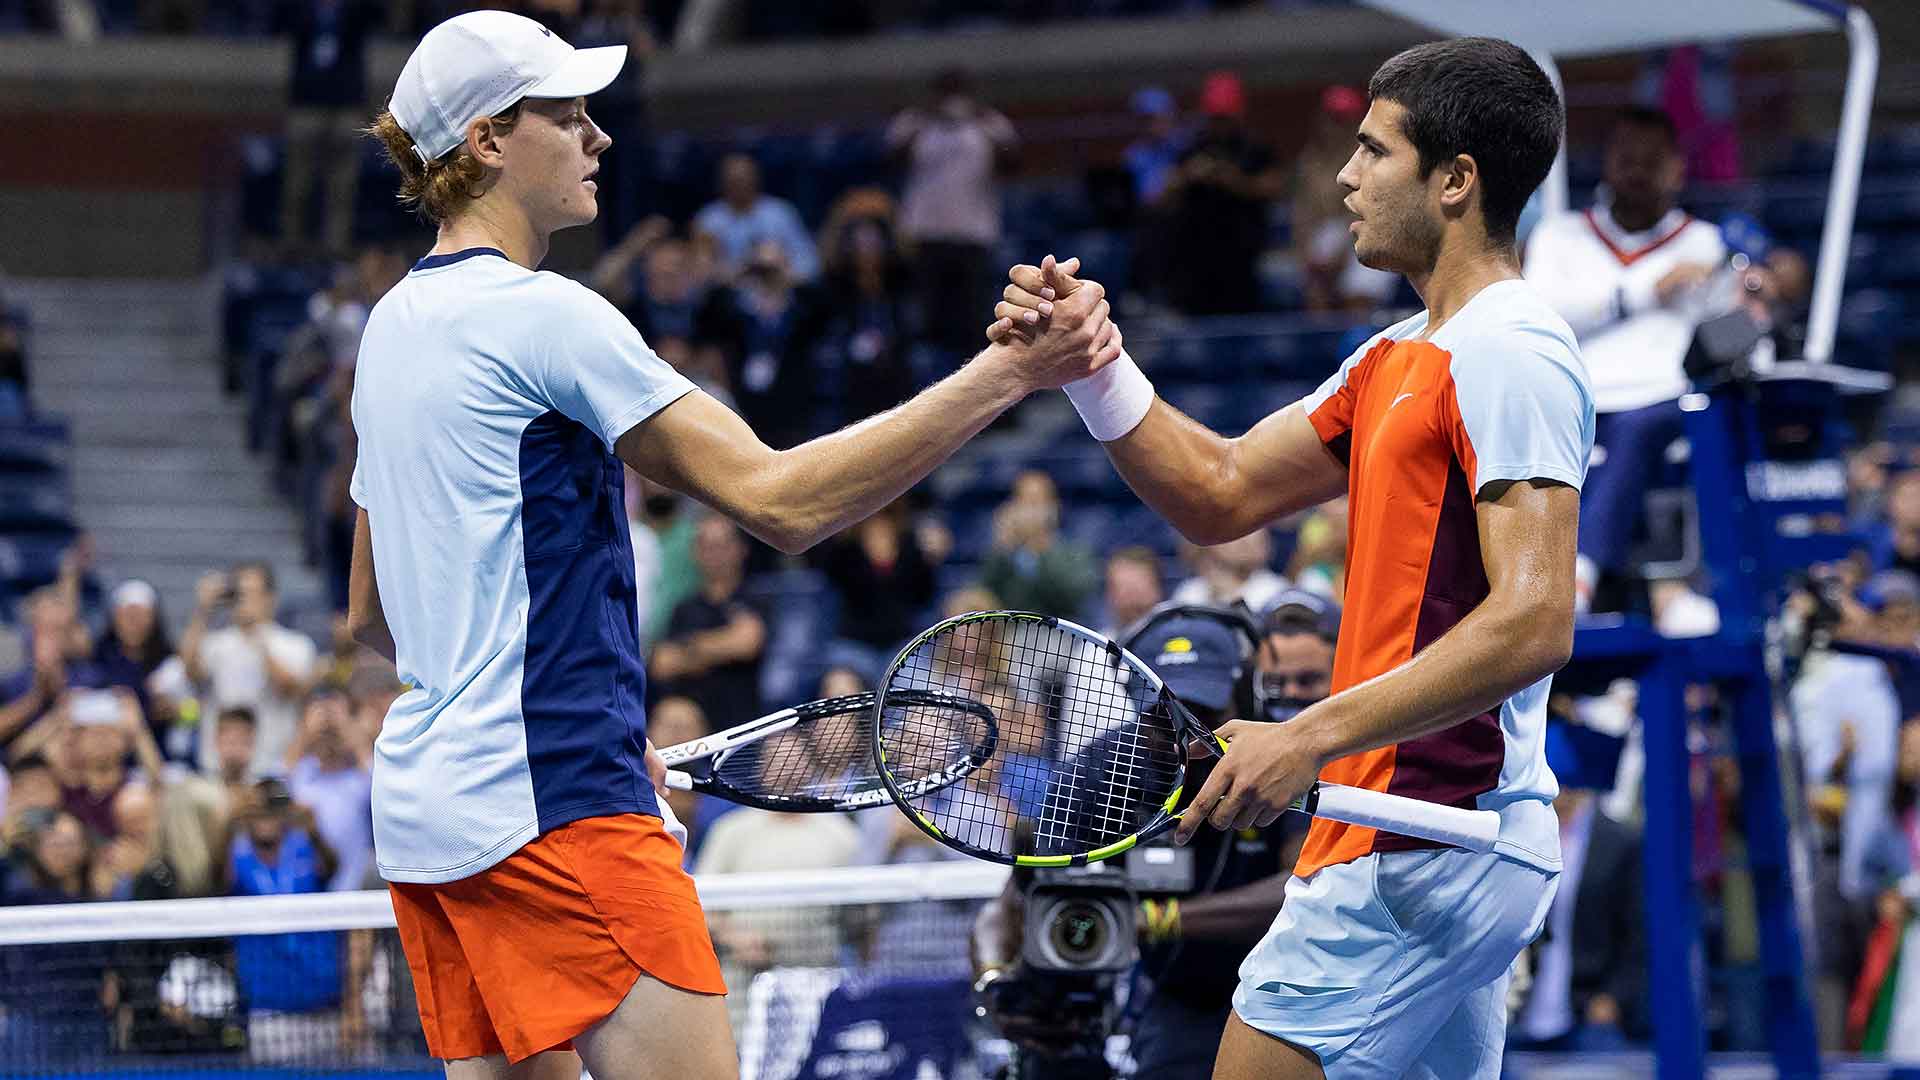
[477, 64]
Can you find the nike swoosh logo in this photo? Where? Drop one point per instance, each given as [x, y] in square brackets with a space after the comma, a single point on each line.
[1398, 400]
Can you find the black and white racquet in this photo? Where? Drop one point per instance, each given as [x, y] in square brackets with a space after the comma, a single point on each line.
[817, 757]
[1093, 748]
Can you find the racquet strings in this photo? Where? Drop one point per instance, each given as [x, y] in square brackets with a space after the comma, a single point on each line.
[1087, 756]
[826, 758]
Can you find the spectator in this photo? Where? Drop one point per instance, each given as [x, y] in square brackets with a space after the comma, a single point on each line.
[1030, 568]
[950, 207]
[883, 571]
[733, 226]
[1847, 715]
[1897, 543]
[32, 785]
[655, 280]
[663, 568]
[1133, 587]
[52, 860]
[330, 773]
[1589, 984]
[104, 728]
[87, 740]
[253, 661]
[1233, 572]
[868, 329]
[327, 105]
[1217, 204]
[715, 642]
[52, 994]
[133, 648]
[1630, 276]
[1332, 278]
[132, 856]
[1152, 158]
[1293, 667]
[60, 651]
[768, 327]
[235, 743]
[291, 982]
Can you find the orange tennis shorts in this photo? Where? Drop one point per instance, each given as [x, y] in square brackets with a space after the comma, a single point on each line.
[525, 955]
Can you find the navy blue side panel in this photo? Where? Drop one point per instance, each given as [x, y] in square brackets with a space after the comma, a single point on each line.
[584, 690]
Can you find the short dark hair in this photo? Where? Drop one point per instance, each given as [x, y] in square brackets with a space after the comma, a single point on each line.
[238, 714]
[264, 569]
[1484, 98]
[1648, 118]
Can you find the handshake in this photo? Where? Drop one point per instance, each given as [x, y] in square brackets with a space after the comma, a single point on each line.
[1055, 329]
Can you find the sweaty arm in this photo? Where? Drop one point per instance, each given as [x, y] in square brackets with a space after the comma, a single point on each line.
[365, 618]
[1215, 489]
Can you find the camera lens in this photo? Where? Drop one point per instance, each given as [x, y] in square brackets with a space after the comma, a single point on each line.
[1081, 931]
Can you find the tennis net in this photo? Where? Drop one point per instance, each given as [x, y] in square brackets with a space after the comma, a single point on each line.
[842, 973]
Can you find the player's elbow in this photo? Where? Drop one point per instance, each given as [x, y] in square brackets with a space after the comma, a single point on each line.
[1547, 640]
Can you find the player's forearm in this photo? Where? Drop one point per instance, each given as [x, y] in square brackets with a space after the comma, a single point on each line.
[1499, 649]
[1182, 469]
[1242, 914]
[820, 487]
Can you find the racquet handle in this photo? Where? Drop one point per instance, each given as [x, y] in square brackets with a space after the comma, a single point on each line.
[1475, 830]
[679, 781]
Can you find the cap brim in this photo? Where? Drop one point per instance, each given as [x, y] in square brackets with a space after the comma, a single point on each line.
[1205, 690]
[587, 71]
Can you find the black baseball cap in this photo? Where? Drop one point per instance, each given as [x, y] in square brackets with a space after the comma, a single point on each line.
[1198, 659]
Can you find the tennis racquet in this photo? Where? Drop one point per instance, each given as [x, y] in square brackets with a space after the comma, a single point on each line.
[817, 758]
[1093, 749]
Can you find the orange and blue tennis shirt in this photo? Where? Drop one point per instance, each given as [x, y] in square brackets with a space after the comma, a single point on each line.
[1425, 423]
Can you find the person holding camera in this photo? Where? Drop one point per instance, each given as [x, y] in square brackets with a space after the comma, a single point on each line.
[253, 661]
[1200, 907]
[292, 983]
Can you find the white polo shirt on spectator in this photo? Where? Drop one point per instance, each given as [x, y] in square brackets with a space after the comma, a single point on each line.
[488, 399]
[236, 665]
[1600, 279]
[341, 801]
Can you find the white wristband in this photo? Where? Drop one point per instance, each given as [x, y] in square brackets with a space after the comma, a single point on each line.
[1113, 400]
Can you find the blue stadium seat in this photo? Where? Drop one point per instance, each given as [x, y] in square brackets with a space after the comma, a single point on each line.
[39, 446]
[36, 504]
[30, 560]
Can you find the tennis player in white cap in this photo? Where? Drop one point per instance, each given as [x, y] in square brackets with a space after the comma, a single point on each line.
[539, 898]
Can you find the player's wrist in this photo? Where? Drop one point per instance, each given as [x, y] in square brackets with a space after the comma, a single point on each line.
[1114, 400]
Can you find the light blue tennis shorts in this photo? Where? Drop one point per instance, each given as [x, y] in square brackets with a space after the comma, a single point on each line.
[1396, 964]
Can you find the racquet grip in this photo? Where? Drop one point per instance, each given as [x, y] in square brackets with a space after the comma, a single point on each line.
[1475, 830]
[679, 781]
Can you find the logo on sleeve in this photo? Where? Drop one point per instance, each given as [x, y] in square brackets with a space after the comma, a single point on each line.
[1398, 400]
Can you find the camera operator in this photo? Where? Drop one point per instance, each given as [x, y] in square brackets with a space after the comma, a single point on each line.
[1200, 907]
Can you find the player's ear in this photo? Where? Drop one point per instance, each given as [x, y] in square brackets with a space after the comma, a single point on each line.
[483, 142]
[1458, 180]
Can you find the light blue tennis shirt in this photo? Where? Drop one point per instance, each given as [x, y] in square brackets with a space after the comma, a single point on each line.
[487, 399]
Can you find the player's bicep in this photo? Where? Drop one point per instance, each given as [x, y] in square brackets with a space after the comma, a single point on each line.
[1283, 466]
[1528, 537]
